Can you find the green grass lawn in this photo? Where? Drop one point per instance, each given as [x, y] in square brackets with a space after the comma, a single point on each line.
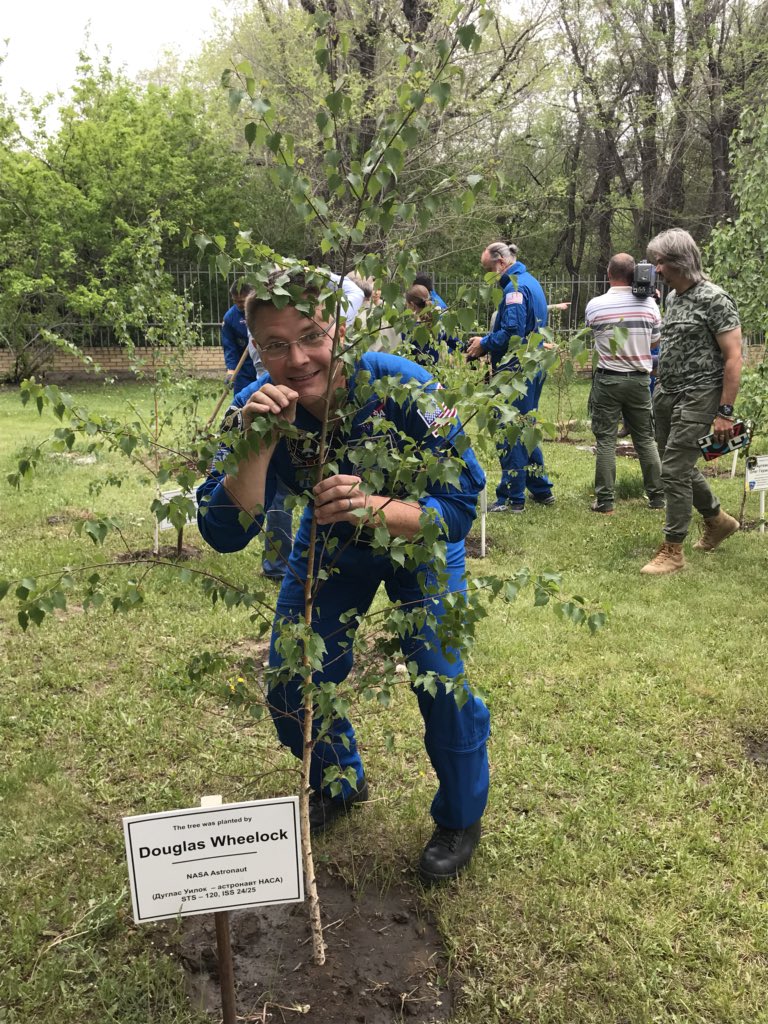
[622, 874]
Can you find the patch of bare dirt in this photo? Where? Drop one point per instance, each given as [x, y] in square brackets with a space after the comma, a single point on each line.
[69, 515]
[624, 449]
[384, 961]
[472, 546]
[167, 552]
[249, 647]
[756, 749]
[752, 524]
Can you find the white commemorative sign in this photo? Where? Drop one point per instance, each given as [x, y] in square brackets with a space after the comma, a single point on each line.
[757, 473]
[167, 496]
[207, 859]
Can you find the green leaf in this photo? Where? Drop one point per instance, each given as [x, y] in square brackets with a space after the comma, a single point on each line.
[37, 614]
[235, 99]
[335, 102]
[393, 159]
[441, 91]
[467, 35]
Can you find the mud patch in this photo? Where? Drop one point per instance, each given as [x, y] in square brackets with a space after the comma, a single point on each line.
[384, 961]
[472, 546]
[624, 449]
[756, 749]
[69, 515]
[167, 552]
[75, 458]
[752, 524]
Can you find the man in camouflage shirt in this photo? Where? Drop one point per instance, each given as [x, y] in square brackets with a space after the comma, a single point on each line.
[699, 374]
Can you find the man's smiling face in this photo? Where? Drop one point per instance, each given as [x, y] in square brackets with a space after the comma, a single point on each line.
[305, 363]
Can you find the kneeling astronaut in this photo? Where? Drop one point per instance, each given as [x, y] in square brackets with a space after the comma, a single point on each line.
[296, 346]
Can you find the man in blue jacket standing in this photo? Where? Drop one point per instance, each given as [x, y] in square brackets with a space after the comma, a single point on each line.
[234, 338]
[296, 343]
[522, 312]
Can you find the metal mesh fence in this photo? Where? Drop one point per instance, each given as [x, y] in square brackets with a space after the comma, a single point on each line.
[208, 292]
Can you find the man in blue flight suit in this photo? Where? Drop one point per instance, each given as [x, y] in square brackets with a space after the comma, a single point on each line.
[234, 338]
[522, 311]
[426, 351]
[297, 352]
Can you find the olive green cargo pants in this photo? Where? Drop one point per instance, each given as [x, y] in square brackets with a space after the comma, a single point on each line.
[681, 419]
[612, 399]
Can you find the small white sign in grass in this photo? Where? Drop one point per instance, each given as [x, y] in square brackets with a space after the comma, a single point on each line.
[756, 479]
[757, 473]
[167, 496]
[209, 859]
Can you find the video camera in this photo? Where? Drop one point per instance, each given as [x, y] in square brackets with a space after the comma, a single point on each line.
[644, 280]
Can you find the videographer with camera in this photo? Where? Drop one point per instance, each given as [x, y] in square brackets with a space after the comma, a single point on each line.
[621, 381]
[699, 375]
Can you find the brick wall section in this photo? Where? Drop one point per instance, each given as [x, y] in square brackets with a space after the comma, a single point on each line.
[201, 362]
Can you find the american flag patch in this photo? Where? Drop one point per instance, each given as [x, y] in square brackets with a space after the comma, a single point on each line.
[513, 298]
[437, 416]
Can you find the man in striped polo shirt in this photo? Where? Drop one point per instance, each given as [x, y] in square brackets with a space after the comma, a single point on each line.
[620, 386]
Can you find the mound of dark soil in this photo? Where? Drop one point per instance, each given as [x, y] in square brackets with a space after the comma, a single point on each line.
[472, 545]
[384, 961]
[167, 552]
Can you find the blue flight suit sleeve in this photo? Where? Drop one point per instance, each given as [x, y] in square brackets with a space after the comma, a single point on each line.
[217, 515]
[510, 322]
[231, 341]
[456, 506]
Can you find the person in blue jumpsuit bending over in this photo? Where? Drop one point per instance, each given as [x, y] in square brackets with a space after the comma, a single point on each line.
[522, 311]
[296, 350]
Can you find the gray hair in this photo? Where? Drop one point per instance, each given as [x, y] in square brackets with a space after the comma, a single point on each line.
[678, 249]
[502, 251]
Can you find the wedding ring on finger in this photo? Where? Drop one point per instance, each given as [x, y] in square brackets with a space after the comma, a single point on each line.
[351, 506]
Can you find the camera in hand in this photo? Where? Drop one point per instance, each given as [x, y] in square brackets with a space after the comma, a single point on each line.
[644, 280]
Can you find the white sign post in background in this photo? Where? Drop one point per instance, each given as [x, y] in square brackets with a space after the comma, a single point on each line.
[756, 479]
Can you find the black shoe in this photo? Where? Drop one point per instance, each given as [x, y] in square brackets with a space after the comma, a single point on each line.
[498, 506]
[447, 853]
[624, 432]
[607, 510]
[657, 503]
[507, 506]
[549, 500]
[325, 810]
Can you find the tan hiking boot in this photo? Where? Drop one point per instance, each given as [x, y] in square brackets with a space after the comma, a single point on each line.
[669, 558]
[716, 529]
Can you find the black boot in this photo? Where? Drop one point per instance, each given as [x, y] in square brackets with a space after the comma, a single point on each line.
[448, 852]
[325, 810]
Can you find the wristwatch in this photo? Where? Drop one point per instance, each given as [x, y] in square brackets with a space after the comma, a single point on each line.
[725, 410]
[233, 421]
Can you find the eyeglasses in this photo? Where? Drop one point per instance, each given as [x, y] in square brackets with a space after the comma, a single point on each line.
[276, 350]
